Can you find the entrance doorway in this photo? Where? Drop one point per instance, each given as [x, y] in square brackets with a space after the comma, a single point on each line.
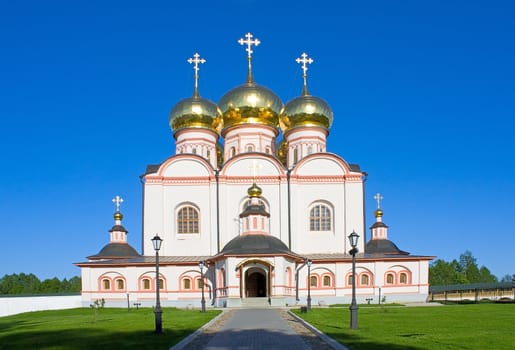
[255, 282]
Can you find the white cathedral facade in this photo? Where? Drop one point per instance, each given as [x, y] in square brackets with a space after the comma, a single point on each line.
[255, 211]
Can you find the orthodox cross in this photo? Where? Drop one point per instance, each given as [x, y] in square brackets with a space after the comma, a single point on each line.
[117, 201]
[249, 42]
[196, 60]
[378, 198]
[305, 60]
[255, 167]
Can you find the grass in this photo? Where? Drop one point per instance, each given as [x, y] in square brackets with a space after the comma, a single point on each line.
[77, 329]
[483, 326]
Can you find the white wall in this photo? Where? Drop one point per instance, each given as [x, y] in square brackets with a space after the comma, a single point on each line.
[18, 305]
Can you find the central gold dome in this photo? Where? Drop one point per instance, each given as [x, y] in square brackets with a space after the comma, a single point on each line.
[250, 103]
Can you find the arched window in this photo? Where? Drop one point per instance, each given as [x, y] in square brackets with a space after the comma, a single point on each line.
[349, 280]
[186, 283]
[295, 156]
[161, 283]
[194, 150]
[188, 220]
[313, 281]
[106, 284]
[267, 150]
[208, 154]
[327, 281]
[146, 284]
[390, 278]
[120, 284]
[310, 149]
[233, 151]
[320, 218]
[365, 280]
[199, 283]
[250, 148]
[403, 278]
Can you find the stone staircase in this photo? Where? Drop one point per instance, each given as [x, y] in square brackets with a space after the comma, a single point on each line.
[254, 303]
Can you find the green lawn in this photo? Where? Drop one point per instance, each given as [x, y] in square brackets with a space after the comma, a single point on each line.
[482, 326]
[112, 329]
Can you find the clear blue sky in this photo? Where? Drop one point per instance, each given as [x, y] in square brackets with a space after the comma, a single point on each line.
[423, 95]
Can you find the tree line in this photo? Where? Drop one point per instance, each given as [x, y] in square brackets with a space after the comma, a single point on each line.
[462, 271]
[30, 284]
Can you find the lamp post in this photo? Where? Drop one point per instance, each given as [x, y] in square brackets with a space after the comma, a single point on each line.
[353, 240]
[201, 265]
[309, 262]
[156, 242]
[513, 286]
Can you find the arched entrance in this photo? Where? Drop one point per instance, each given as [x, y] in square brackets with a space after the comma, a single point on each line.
[255, 283]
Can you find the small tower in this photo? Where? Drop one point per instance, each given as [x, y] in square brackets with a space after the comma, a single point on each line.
[379, 243]
[118, 247]
[379, 229]
[254, 218]
[196, 122]
[305, 122]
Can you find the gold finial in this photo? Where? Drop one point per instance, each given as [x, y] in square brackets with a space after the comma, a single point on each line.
[196, 60]
[305, 60]
[254, 191]
[249, 42]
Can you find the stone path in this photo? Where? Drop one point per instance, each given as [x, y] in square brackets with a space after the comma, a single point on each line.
[253, 329]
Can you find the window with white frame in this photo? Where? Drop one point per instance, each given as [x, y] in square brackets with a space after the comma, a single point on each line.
[188, 220]
[320, 218]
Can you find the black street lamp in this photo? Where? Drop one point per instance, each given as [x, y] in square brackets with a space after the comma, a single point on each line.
[513, 285]
[309, 262]
[201, 265]
[157, 241]
[353, 239]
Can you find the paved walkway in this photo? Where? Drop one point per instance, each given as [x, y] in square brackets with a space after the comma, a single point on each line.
[256, 329]
[253, 329]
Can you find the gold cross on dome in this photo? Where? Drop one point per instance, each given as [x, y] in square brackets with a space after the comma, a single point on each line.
[378, 198]
[249, 42]
[196, 60]
[304, 59]
[117, 201]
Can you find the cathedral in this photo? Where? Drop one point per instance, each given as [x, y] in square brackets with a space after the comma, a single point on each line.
[253, 210]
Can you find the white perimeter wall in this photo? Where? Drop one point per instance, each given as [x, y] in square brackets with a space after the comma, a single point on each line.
[18, 305]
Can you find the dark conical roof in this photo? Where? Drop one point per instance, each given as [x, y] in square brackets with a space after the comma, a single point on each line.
[115, 251]
[383, 246]
[256, 244]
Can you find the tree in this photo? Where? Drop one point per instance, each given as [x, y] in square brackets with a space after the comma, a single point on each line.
[485, 276]
[462, 271]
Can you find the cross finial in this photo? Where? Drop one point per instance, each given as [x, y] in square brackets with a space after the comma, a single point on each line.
[378, 198]
[249, 42]
[117, 201]
[304, 60]
[255, 167]
[196, 60]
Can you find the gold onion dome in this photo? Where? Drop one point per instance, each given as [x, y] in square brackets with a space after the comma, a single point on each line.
[254, 191]
[378, 213]
[118, 216]
[250, 103]
[306, 110]
[195, 112]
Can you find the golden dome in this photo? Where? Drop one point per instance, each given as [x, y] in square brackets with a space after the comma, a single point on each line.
[378, 213]
[195, 112]
[118, 216]
[250, 103]
[254, 191]
[306, 110]
[282, 151]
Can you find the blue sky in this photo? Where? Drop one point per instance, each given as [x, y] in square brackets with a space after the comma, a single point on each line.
[422, 92]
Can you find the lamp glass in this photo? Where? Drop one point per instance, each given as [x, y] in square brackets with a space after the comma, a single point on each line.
[156, 242]
[353, 239]
[201, 265]
[309, 262]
